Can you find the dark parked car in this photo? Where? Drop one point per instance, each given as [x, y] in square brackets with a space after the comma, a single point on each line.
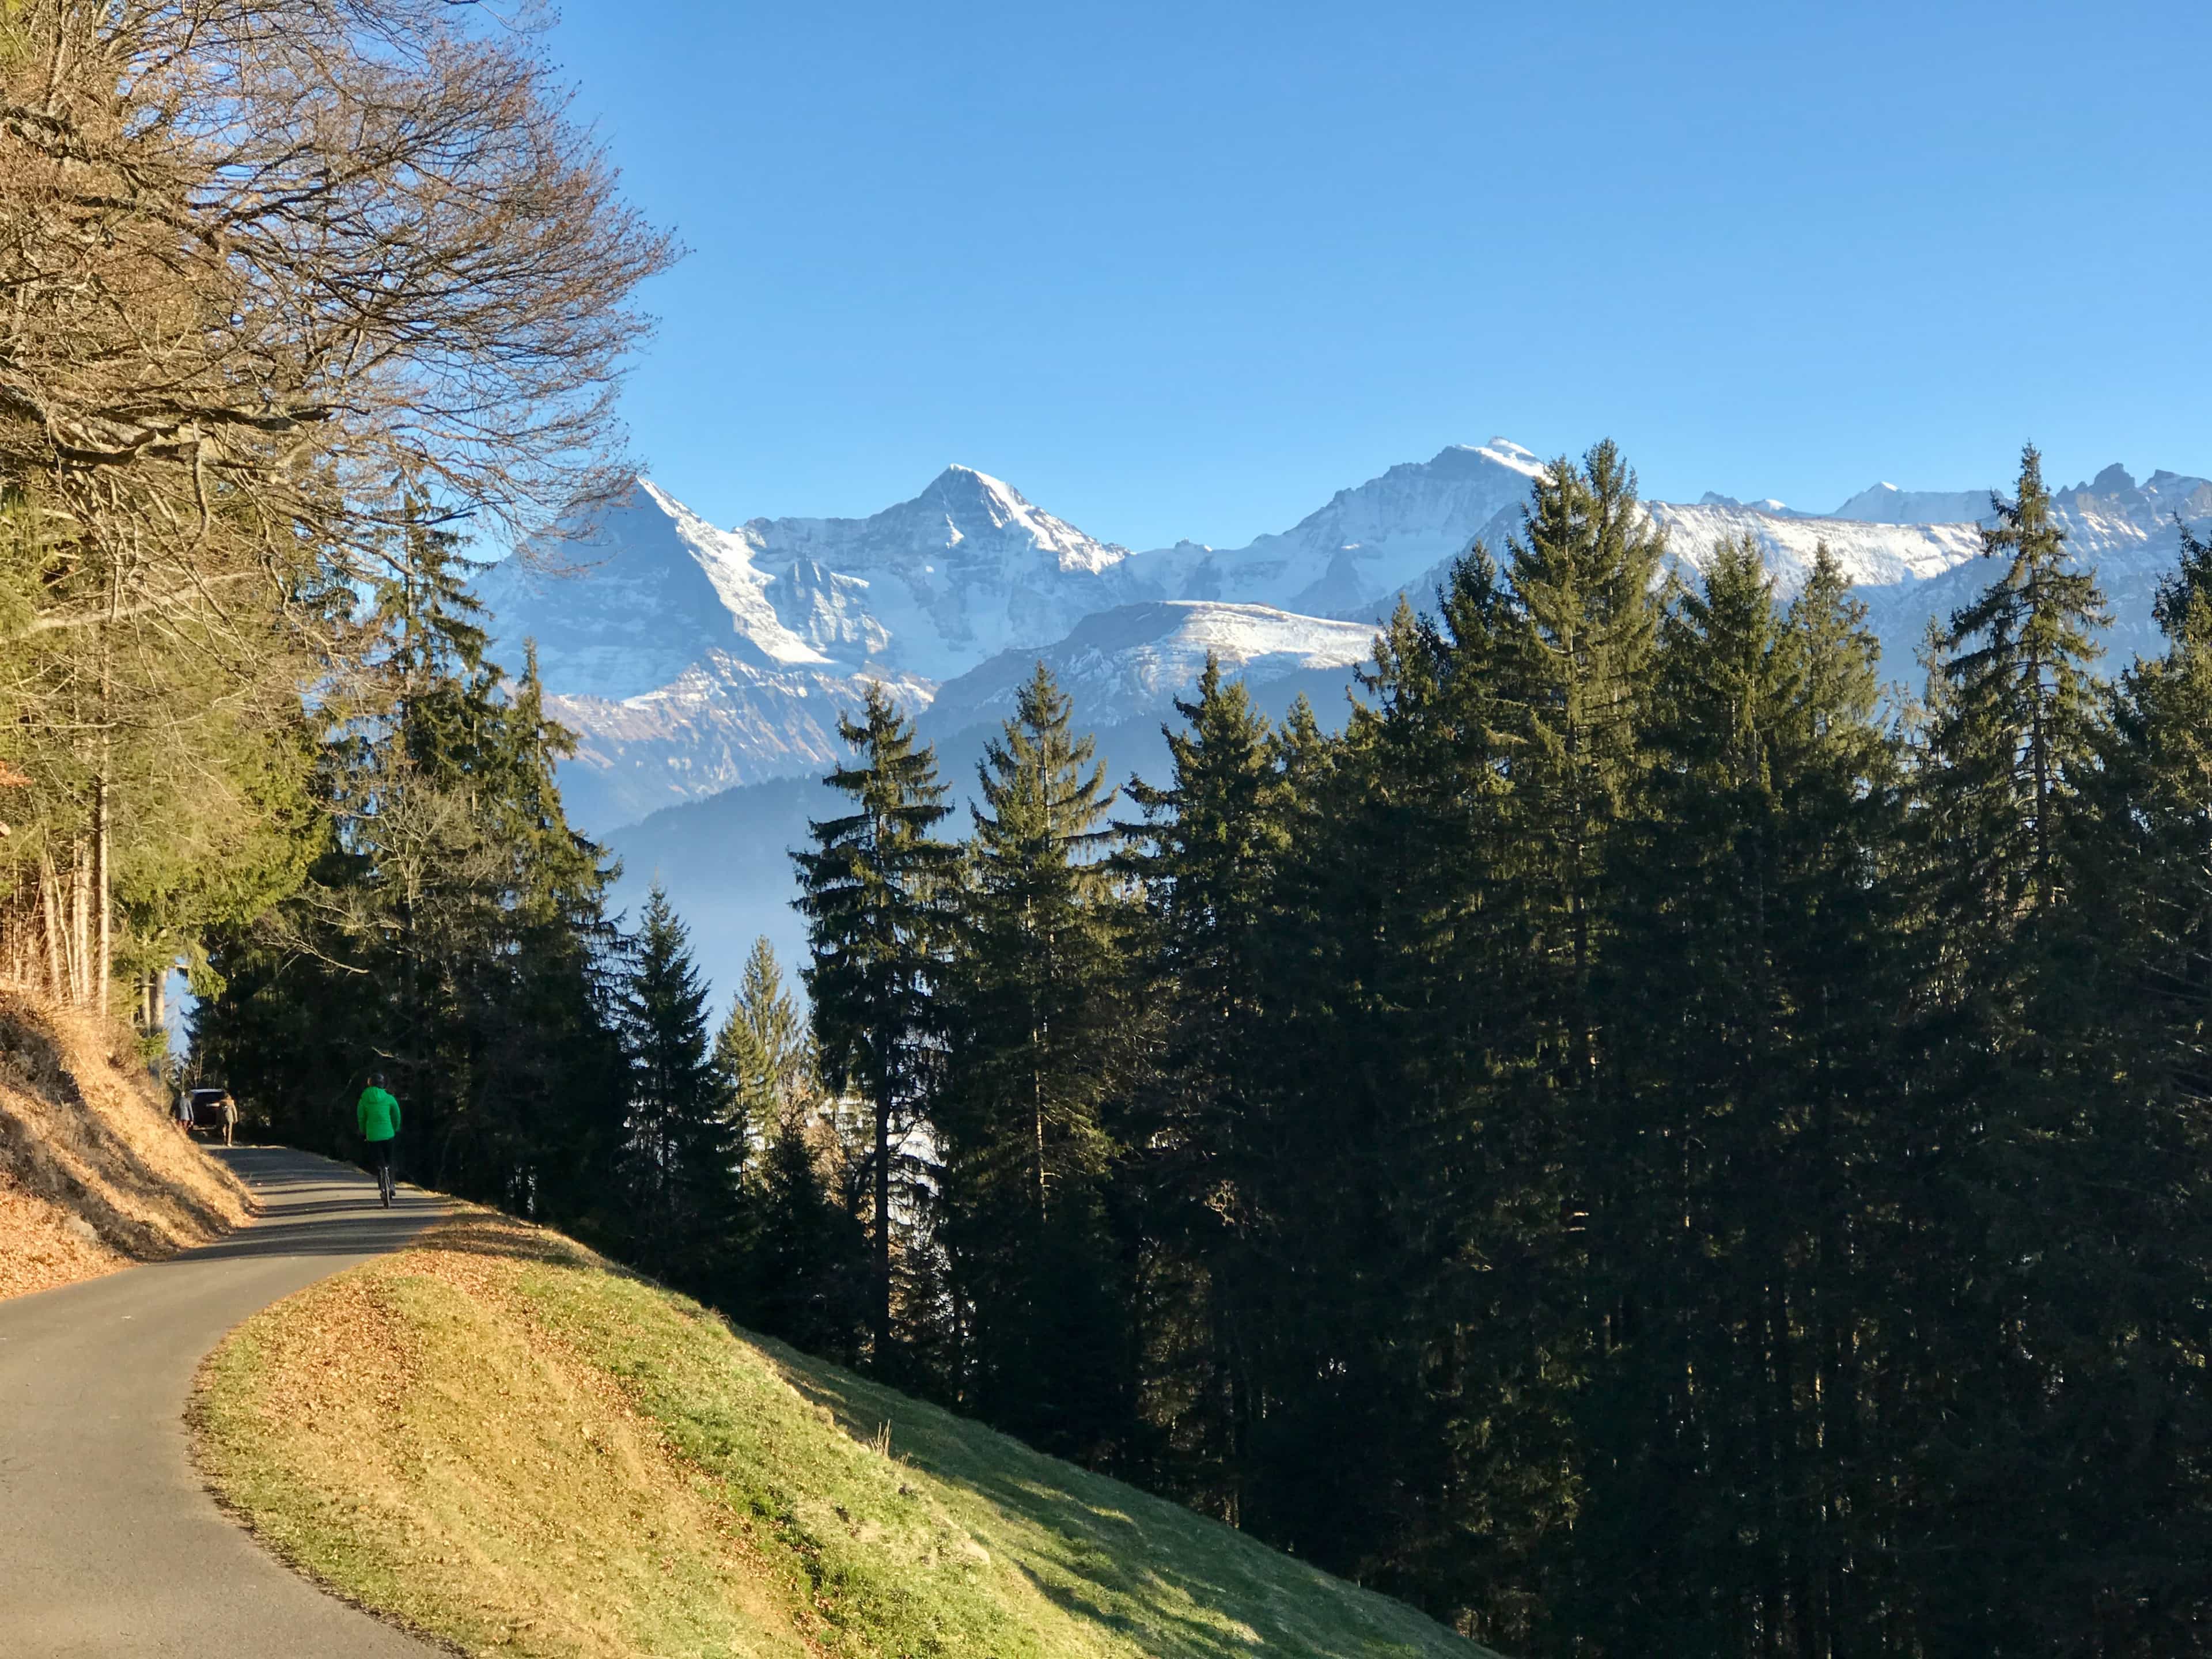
[205, 1101]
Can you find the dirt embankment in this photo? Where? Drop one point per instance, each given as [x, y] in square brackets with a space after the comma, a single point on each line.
[93, 1176]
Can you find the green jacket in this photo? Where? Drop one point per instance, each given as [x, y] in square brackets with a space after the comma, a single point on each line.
[378, 1114]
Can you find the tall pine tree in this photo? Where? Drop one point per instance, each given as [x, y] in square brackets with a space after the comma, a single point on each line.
[873, 889]
[1024, 1132]
[1205, 860]
[682, 1161]
[2012, 1283]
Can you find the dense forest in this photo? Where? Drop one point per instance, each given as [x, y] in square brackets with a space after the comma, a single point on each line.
[1643, 1142]
[1638, 1145]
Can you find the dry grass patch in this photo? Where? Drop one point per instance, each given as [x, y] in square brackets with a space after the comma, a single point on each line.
[93, 1176]
[406, 1435]
[499, 1440]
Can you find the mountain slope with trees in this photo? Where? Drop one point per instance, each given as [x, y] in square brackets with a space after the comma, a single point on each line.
[1640, 1142]
[1637, 1144]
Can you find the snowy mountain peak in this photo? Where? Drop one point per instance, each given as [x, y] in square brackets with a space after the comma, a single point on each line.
[972, 501]
[962, 492]
[1503, 452]
[629, 596]
[686, 520]
[1368, 542]
[1885, 503]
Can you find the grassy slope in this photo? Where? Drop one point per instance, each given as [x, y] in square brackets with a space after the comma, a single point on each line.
[94, 1175]
[498, 1441]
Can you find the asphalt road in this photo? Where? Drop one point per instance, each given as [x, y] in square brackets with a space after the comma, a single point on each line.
[109, 1542]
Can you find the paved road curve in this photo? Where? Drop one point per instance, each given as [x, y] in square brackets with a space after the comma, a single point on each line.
[108, 1543]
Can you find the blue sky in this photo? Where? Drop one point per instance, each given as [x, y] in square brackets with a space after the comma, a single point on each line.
[1185, 269]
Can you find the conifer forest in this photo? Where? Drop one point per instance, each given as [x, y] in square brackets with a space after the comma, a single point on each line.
[1655, 1133]
[1645, 1142]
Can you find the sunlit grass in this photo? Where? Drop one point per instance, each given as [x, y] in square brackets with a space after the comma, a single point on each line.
[499, 1442]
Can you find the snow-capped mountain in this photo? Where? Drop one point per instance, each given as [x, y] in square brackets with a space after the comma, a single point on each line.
[1366, 545]
[720, 722]
[691, 658]
[630, 599]
[1127, 663]
[1909, 572]
[964, 570]
[927, 588]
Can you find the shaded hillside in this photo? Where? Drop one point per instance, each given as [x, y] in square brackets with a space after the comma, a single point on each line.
[93, 1176]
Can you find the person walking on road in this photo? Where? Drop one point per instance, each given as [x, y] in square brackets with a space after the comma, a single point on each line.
[378, 1114]
[226, 1111]
[184, 1112]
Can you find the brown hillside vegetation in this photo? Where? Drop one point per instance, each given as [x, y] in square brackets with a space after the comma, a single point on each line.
[93, 1174]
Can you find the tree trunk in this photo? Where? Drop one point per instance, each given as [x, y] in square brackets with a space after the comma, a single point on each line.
[80, 940]
[883, 1286]
[50, 911]
[102, 965]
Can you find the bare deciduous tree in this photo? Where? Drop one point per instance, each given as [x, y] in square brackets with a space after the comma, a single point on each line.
[278, 275]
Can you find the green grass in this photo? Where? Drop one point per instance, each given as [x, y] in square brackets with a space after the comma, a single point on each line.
[499, 1442]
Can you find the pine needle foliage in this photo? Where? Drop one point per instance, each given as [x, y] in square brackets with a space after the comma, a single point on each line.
[872, 889]
[1025, 1138]
[684, 1153]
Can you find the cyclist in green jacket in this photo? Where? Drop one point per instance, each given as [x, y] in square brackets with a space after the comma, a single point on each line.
[378, 1114]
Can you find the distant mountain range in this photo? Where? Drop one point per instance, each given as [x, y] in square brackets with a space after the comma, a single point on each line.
[693, 661]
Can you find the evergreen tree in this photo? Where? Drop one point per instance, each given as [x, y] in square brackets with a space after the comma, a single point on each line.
[873, 890]
[1205, 860]
[763, 1052]
[2020, 1344]
[1576, 667]
[1750, 941]
[681, 1164]
[2020, 713]
[2134, 1196]
[1022, 1128]
[1575, 662]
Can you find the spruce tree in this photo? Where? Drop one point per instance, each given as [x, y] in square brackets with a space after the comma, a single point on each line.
[2136, 1203]
[1570, 655]
[681, 1164]
[1575, 672]
[2018, 1118]
[873, 890]
[763, 1051]
[1749, 945]
[2021, 707]
[1204, 858]
[1024, 1132]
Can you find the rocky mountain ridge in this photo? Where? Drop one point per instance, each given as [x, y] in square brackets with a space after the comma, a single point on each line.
[691, 658]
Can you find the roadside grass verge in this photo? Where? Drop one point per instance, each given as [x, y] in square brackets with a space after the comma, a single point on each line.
[499, 1442]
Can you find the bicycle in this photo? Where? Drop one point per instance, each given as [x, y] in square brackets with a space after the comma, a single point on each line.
[379, 1153]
